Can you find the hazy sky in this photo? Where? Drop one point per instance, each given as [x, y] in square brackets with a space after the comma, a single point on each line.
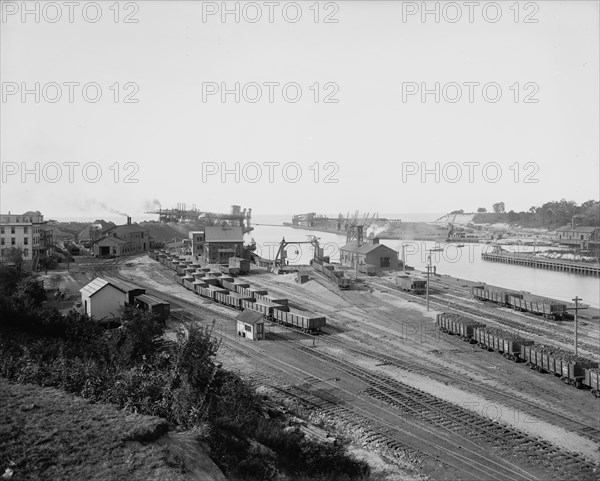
[537, 120]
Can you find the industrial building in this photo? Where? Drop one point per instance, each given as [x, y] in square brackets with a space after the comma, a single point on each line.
[127, 239]
[103, 298]
[372, 252]
[222, 242]
[26, 231]
[584, 237]
[197, 239]
[93, 232]
[251, 325]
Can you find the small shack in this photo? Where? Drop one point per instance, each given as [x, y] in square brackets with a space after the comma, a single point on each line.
[153, 304]
[251, 324]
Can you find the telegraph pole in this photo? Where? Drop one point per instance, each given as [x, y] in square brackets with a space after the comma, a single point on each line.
[427, 286]
[576, 300]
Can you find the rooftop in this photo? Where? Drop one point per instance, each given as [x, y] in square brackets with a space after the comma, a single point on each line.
[363, 248]
[579, 228]
[220, 233]
[250, 317]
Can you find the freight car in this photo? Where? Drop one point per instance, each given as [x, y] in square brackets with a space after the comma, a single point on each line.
[411, 284]
[274, 299]
[271, 307]
[305, 323]
[464, 327]
[576, 371]
[267, 309]
[161, 309]
[548, 309]
[501, 297]
[522, 302]
[561, 363]
[592, 380]
[506, 343]
[329, 271]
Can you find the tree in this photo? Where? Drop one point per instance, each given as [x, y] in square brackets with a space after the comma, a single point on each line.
[14, 255]
[461, 211]
[499, 208]
[481, 210]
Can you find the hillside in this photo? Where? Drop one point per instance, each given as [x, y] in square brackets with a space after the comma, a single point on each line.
[48, 434]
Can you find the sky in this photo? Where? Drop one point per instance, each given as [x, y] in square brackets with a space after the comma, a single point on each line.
[118, 107]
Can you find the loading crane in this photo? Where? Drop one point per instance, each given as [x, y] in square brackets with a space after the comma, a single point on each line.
[279, 260]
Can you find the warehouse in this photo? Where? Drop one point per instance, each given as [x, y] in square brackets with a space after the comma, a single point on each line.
[373, 253]
[251, 324]
[103, 298]
[221, 243]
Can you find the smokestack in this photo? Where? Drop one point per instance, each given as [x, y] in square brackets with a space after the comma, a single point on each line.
[572, 223]
[128, 220]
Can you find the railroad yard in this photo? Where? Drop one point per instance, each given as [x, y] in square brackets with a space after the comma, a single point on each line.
[414, 402]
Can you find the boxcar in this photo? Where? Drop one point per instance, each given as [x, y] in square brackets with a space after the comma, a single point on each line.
[188, 282]
[508, 344]
[305, 323]
[411, 284]
[228, 284]
[463, 327]
[592, 380]
[548, 309]
[268, 308]
[197, 285]
[273, 299]
[158, 307]
[240, 285]
[250, 291]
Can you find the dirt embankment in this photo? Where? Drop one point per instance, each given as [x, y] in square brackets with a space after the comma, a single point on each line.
[48, 434]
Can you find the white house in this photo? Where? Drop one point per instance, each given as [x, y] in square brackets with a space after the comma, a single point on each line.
[102, 298]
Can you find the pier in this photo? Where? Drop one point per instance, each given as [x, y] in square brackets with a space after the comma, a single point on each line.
[540, 263]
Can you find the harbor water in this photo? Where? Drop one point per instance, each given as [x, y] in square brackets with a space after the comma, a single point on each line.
[461, 262]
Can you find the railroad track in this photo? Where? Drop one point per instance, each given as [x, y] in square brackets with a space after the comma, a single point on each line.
[503, 320]
[462, 422]
[552, 416]
[379, 391]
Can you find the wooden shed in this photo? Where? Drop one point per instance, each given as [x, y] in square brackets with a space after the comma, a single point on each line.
[251, 324]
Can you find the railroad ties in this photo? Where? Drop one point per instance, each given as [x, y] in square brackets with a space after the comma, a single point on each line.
[539, 263]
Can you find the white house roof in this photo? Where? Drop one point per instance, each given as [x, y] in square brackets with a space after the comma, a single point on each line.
[99, 283]
[94, 286]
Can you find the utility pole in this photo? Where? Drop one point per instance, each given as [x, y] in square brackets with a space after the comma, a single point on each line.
[427, 286]
[576, 300]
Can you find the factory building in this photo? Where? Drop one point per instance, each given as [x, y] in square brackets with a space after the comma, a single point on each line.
[103, 298]
[222, 242]
[26, 231]
[381, 256]
[197, 239]
[127, 239]
[93, 232]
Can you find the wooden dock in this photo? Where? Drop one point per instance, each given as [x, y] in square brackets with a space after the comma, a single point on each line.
[588, 269]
